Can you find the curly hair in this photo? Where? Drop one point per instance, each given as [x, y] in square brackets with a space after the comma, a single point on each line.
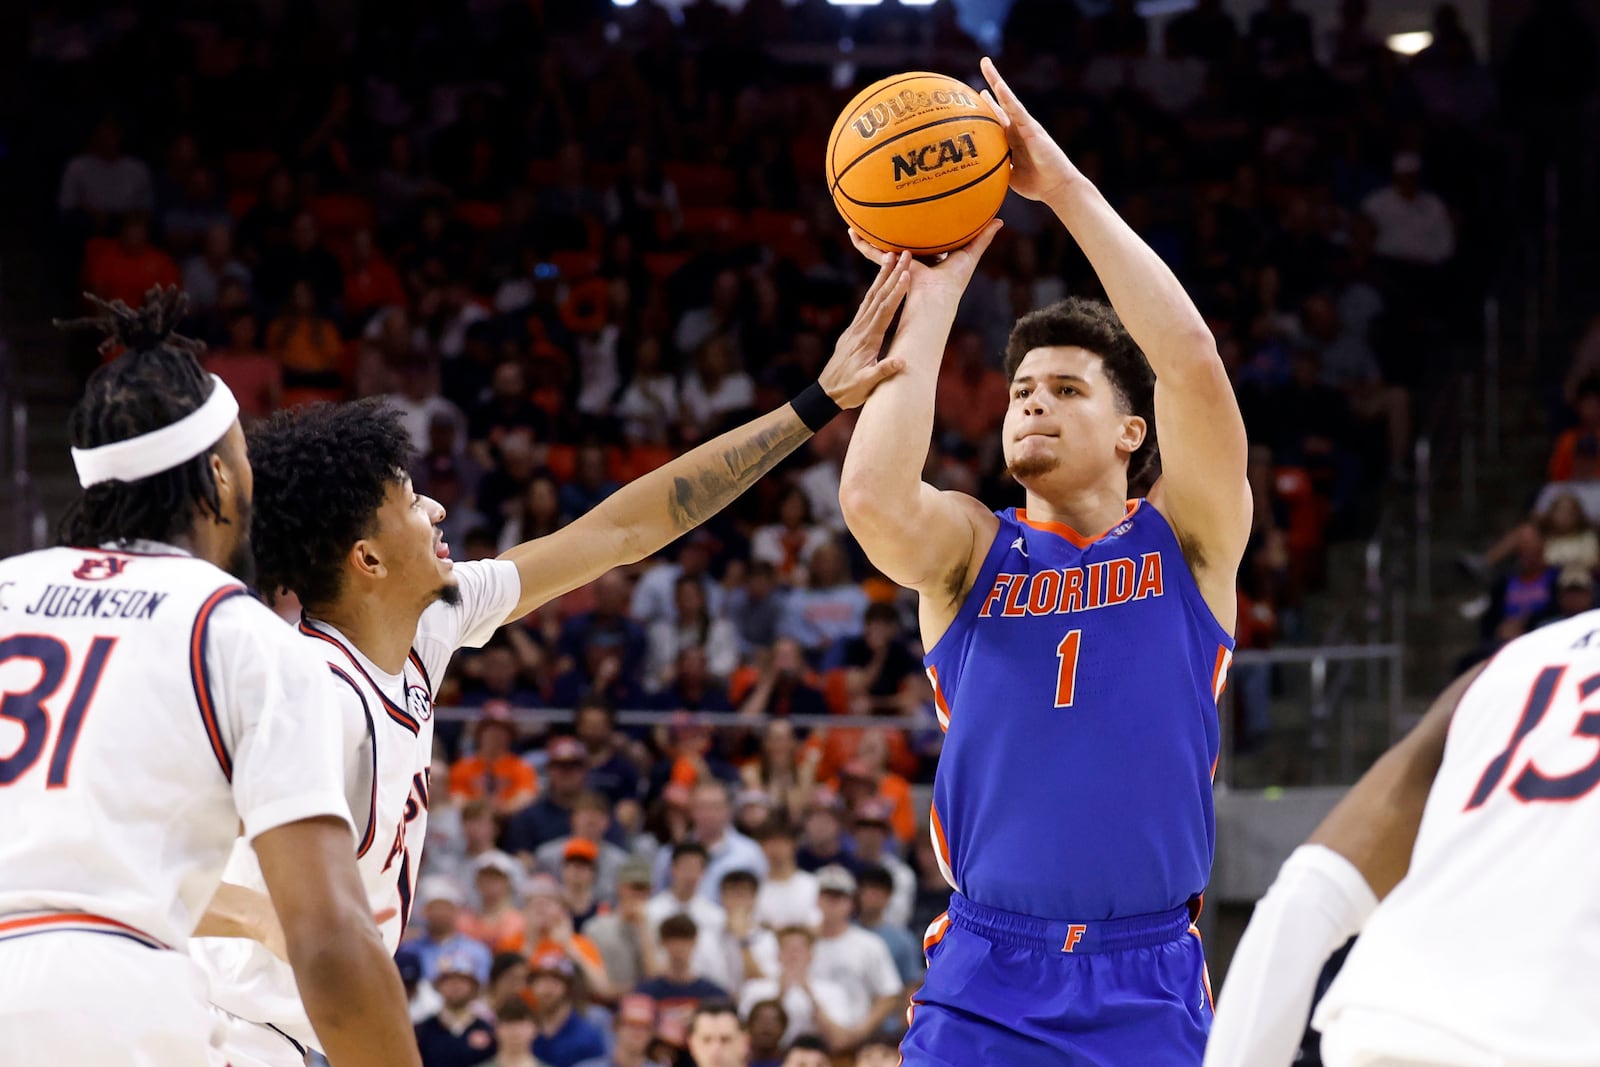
[154, 383]
[1092, 325]
[321, 475]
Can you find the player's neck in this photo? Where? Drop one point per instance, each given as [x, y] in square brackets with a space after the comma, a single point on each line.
[382, 633]
[1089, 510]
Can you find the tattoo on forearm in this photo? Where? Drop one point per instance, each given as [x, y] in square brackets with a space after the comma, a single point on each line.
[698, 496]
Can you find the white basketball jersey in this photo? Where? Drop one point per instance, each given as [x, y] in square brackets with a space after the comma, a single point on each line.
[387, 724]
[1494, 934]
[148, 705]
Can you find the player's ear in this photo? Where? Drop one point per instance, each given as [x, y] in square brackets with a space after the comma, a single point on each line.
[1133, 431]
[365, 559]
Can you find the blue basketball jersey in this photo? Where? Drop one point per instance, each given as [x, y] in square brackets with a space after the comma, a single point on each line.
[1077, 686]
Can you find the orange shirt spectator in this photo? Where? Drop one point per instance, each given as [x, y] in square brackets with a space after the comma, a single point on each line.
[494, 773]
[305, 343]
[497, 923]
[856, 777]
[126, 268]
[1576, 457]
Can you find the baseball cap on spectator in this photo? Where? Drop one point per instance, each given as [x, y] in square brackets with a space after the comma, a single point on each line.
[825, 799]
[753, 797]
[582, 850]
[856, 769]
[637, 1009]
[438, 887]
[542, 885]
[565, 750]
[495, 860]
[836, 879]
[635, 871]
[456, 961]
[873, 811]
[555, 963]
[496, 713]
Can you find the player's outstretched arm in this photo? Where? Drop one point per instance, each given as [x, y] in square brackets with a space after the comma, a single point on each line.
[1203, 446]
[347, 979]
[918, 536]
[651, 512]
[1323, 895]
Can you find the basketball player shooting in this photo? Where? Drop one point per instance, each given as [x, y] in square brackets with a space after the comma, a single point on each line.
[1076, 648]
[150, 707]
[339, 524]
[1477, 833]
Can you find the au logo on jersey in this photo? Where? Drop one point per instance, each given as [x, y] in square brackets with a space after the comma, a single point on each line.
[419, 703]
[99, 568]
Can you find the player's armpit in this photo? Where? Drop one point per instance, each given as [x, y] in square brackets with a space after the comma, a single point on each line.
[1375, 825]
[347, 979]
[929, 546]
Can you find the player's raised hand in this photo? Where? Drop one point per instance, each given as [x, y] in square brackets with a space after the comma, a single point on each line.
[855, 369]
[1039, 168]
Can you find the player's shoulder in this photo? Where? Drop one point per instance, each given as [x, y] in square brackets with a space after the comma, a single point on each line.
[1575, 639]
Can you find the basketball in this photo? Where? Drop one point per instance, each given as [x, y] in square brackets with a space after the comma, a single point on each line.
[918, 163]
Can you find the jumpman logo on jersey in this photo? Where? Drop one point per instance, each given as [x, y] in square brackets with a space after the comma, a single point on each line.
[1019, 546]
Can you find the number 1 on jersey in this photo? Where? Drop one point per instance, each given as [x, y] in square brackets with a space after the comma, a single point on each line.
[1067, 674]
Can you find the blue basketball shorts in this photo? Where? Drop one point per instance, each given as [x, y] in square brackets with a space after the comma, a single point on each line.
[1020, 991]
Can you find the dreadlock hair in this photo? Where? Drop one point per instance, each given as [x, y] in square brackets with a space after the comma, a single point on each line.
[157, 381]
[321, 473]
[1077, 322]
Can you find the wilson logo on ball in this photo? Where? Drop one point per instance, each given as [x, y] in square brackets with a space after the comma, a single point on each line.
[905, 103]
[936, 156]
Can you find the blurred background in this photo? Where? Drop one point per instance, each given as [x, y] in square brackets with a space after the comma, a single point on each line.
[571, 238]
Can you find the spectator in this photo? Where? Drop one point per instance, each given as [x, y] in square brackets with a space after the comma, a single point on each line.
[625, 936]
[807, 1051]
[550, 817]
[765, 1023]
[551, 935]
[679, 988]
[196, 212]
[853, 958]
[537, 514]
[788, 895]
[104, 182]
[868, 775]
[255, 378]
[264, 229]
[739, 949]
[715, 1037]
[477, 832]
[1576, 456]
[578, 858]
[1205, 32]
[565, 1038]
[813, 1003]
[873, 849]
[308, 346]
[494, 772]
[822, 841]
[422, 1000]
[874, 888]
[497, 923]
[507, 410]
[1414, 226]
[303, 259]
[214, 263]
[655, 594]
[458, 1036]
[830, 607]
[787, 544]
[692, 626]
[1574, 596]
[880, 659]
[130, 266]
[711, 815]
[609, 616]
[972, 394]
[591, 818]
[933, 884]
[755, 608]
[590, 483]
[691, 687]
[648, 405]
[780, 687]
[701, 324]
[878, 1052]
[686, 872]
[632, 1037]
[782, 770]
[514, 1031]
[370, 281]
[508, 978]
[441, 901]
[715, 393]
[420, 406]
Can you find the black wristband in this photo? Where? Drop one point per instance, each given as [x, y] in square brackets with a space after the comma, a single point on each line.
[815, 407]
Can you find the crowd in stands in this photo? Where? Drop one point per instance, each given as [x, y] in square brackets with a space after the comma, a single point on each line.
[568, 240]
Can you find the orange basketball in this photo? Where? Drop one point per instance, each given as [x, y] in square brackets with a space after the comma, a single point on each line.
[918, 162]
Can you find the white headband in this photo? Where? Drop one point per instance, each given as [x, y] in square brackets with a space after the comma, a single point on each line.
[160, 450]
